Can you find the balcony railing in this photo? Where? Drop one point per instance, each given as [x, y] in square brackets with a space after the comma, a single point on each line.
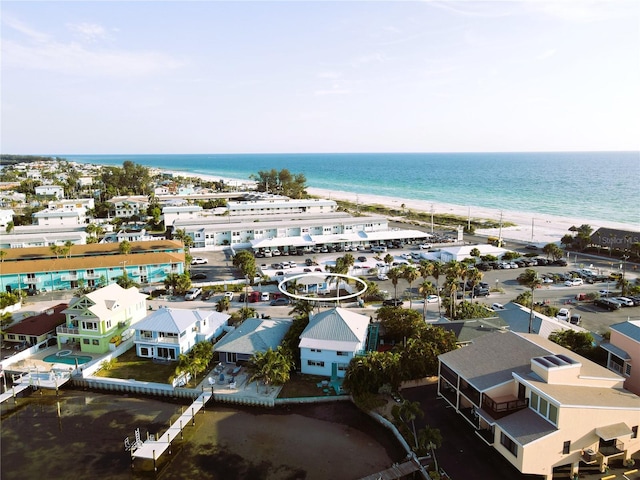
[92, 276]
[163, 340]
[499, 409]
[32, 281]
[611, 449]
[67, 331]
[70, 277]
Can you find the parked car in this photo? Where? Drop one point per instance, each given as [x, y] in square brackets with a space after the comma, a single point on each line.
[264, 296]
[497, 306]
[574, 282]
[307, 270]
[425, 246]
[362, 259]
[575, 319]
[382, 276]
[607, 303]
[198, 276]
[379, 249]
[480, 292]
[392, 302]
[192, 293]
[278, 302]
[432, 299]
[199, 261]
[561, 262]
[563, 314]
[604, 292]
[626, 302]
[531, 246]
[207, 294]
[229, 295]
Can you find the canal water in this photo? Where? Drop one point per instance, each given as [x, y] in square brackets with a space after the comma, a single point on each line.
[80, 435]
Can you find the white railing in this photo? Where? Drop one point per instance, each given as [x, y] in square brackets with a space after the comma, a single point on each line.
[68, 331]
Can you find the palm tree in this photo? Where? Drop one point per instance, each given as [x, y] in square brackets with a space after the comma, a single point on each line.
[437, 270]
[394, 275]
[529, 278]
[272, 367]
[425, 289]
[223, 305]
[410, 274]
[388, 259]
[67, 248]
[406, 413]
[124, 247]
[2, 255]
[302, 308]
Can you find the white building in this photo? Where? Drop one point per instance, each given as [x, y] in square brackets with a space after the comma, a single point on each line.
[336, 228]
[281, 205]
[61, 216]
[55, 190]
[168, 332]
[129, 206]
[6, 216]
[36, 236]
[180, 212]
[331, 340]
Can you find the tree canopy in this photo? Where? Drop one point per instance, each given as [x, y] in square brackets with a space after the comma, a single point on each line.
[282, 182]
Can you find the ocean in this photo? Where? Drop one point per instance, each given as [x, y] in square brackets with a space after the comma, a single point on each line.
[598, 186]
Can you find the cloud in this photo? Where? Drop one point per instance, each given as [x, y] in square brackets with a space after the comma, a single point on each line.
[332, 91]
[34, 50]
[585, 11]
[89, 32]
[476, 9]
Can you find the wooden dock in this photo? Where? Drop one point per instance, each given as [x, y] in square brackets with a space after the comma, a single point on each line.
[13, 391]
[152, 449]
[396, 471]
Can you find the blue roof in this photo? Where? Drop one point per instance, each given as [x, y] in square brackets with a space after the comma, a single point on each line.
[630, 328]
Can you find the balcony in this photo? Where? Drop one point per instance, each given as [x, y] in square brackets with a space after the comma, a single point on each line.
[503, 406]
[92, 276]
[67, 331]
[611, 448]
[32, 281]
[70, 277]
[159, 340]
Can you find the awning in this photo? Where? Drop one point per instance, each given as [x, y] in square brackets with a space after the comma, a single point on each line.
[611, 432]
[282, 242]
[618, 352]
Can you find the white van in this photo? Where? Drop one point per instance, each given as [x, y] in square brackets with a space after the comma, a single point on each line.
[379, 249]
[264, 297]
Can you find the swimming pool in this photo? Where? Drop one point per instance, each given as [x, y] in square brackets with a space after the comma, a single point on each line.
[65, 356]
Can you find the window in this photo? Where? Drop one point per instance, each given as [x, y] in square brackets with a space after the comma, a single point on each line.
[566, 447]
[316, 350]
[634, 432]
[313, 363]
[627, 369]
[95, 342]
[85, 341]
[144, 351]
[90, 325]
[534, 401]
[553, 413]
[342, 354]
[509, 444]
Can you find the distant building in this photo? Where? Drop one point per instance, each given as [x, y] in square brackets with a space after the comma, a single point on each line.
[67, 215]
[55, 190]
[180, 212]
[614, 238]
[6, 216]
[89, 265]
[125, 207]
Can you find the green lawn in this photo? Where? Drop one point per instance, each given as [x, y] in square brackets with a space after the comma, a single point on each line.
[130, 366]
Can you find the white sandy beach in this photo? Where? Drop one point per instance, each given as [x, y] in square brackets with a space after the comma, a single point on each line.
[530, 227]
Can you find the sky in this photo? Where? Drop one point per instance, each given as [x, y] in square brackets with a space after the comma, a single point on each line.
[134, 77]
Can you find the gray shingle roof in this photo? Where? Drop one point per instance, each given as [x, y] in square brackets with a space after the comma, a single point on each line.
[254, 335]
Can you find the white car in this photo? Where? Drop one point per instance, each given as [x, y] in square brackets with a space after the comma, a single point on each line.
[574, 282]
[199, 261]
[497, 306]
[626, 302]
[604, 292]
[432, 298]
[406, 256]
[229, 295]
[547, 280]
[382, 276]
[425, 246]
[192, 293]
[563, 314]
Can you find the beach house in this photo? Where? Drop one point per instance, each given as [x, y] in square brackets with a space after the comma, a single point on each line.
[541, 406]
[168, 332]
[330, 340]
[99, 318]
[35, 329]
[252, 336]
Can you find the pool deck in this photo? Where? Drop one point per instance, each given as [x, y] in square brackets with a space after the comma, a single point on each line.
[36, 361]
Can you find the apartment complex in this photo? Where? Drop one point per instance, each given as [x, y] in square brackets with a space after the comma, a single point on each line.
[540, 405]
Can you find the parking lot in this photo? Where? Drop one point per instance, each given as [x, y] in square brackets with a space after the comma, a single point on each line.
[503, 284]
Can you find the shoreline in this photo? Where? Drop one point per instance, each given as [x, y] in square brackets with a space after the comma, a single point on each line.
[535, 228]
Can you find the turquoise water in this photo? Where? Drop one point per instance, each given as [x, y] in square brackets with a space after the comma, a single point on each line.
[587, 185]
[68, 359]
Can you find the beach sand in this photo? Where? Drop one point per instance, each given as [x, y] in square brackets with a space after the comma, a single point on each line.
[535, 228]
